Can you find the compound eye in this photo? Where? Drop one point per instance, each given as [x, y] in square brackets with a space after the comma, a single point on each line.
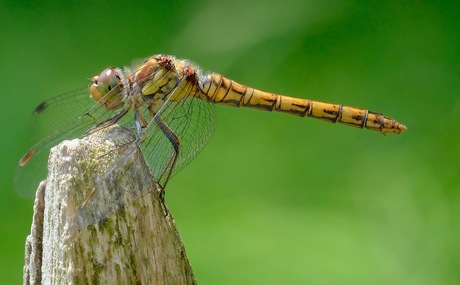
[106, 89]
[107, 80]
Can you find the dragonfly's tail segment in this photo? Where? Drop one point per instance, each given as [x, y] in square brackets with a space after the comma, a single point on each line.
[221, 90]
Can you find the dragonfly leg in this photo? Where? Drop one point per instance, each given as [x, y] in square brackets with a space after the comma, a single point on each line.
[172, 137]
[140, 122]
[110, 121]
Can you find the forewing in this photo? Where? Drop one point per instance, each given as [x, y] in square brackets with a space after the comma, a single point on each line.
[63, 117]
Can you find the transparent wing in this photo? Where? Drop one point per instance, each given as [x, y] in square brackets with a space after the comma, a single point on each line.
[191, 120]
[175, 132]
[63, 117]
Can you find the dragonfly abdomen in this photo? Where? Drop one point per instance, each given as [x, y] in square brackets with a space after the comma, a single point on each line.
[223, 91]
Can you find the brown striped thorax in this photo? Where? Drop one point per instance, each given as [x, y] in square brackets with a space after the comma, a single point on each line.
[153, 83]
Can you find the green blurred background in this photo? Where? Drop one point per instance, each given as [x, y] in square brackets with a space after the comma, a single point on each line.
[273, 199]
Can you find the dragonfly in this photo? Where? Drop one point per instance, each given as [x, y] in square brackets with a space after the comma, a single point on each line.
[169, 105]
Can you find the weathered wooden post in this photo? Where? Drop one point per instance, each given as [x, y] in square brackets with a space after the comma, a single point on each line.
[135, 242]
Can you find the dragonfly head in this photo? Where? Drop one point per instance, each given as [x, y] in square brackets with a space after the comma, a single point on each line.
[107, 88]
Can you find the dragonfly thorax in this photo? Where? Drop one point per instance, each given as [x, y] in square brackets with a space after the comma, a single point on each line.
[107, 88]
[157, 78]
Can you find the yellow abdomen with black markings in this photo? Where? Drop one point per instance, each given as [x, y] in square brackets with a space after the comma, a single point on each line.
[223, 91]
